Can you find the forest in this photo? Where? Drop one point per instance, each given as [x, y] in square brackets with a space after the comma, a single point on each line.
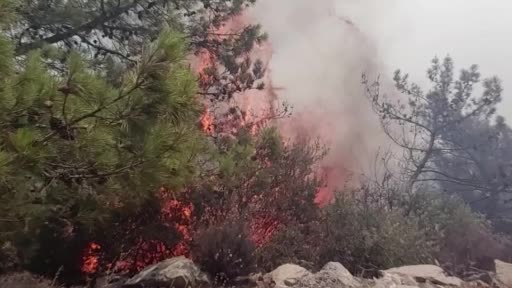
[123, 143]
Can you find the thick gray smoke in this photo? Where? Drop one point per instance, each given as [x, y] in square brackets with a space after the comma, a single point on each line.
[320, 50]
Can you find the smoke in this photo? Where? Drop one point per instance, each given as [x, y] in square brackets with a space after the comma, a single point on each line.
[320, 50]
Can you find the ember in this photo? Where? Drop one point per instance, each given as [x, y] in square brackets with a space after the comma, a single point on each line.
[91, 258]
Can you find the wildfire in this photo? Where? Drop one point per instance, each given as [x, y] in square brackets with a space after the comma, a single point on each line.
[253, 110]
[205, 64]
[207, 124]
[180, 213]
[262, 229]
[90, 260]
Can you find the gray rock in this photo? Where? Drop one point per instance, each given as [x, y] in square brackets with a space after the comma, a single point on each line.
[426, 273]
[503, 273]
[178, 272]
[332, 275]
[113, 281]
[289, 273]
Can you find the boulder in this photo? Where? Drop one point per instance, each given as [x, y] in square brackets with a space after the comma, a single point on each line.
[332, 275]
[178, 272]
[335, 270]
[426, 273]
[113, 281]
[394, 280]
[286, 274]
[503, 273]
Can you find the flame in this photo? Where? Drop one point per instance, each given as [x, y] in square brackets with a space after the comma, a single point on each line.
[262, 229]
[180, 213]
[207, 120]
[90, 259]
[176, 214]
[255, 108]
[206, 62]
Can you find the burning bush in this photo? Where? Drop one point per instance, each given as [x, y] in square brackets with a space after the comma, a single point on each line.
[154, 232]
[224, 251]
[261, 176]
[271, 183]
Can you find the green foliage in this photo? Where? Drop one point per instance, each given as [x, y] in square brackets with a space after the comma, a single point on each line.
[7, 12]
[365, 237]
[300, 244]
[260, 175]
[115, 42]
[82, 146]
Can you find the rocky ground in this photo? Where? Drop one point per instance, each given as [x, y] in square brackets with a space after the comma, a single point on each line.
[181, 272]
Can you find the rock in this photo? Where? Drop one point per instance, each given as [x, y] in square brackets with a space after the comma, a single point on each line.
[476, 284]
[392, 280]
[503, 273]
[332, 275]
[287, 273]
[110, 282]
[424, 273]
[291, 282]
[336, 271]
[178, 272]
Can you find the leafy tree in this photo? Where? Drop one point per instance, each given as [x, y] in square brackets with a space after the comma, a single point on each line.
[75, 145]
[420, 123]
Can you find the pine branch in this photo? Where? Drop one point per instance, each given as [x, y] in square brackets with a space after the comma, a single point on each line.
[107, 50]
[94, 112]
[84, 28]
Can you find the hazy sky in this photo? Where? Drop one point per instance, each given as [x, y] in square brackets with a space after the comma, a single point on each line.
[318, 58]
[409, 33]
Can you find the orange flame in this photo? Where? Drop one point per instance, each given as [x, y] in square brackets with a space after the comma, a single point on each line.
[171, 208]
[207, 122]
[90, 259]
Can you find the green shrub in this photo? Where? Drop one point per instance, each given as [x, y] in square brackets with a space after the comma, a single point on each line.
[463, 239]
[225, 251]
[365, 237]
[297, 244]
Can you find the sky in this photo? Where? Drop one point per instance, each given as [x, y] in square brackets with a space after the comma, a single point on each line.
[408, 33]
[318, 58]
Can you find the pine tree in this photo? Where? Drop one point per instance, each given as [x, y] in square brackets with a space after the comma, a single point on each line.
[76, 145]
[112, 33]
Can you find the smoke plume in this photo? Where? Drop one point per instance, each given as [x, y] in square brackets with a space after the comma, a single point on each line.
[320, 50]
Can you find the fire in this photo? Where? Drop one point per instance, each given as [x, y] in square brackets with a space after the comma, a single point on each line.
[207, 122]
[252, 110]
[180, 213]
[174, 213]
[206, 62]
[90, 260]
[262, 229]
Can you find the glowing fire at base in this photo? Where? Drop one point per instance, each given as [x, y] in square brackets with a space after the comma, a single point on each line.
[90, 258]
